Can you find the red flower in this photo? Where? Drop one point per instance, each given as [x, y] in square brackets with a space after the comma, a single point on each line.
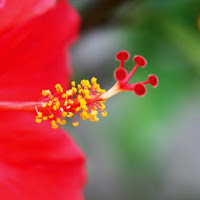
[36, 162]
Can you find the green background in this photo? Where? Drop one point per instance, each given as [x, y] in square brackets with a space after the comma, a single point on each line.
[146, 148]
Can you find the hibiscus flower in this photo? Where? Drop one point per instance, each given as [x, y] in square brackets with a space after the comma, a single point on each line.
[36, 161]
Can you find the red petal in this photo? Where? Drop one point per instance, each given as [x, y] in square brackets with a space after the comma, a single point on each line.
[13, 13]
[33, 55]
[38, 162]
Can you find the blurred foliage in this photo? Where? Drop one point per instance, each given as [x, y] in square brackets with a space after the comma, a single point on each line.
[167, 35]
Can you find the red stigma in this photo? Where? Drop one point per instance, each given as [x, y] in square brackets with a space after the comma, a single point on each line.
[120, 74]
[122, 55]
[123, 77]
[153, 80]
[140, 61]
[139, 89]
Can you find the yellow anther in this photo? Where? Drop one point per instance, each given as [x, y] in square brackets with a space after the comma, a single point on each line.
[43, 93]
[58, 120]
[64, 95]
[93, 80]
[86, 92]
[44, 105]
[92, 119]
[77, 109]
[54, 126]
[53, 122]
[64, 114]
[39, 115]
[75, 124]
[79, 86]
[85, 84]
[46, 92]
[82, 81]
[59, 88]
[55, 99]
[99, 90]
[102, 106]
[96, 86]
[45, 118]
[103, 91]
[55, 108]
[104, 114]
[84, 113]
[88, 97]
[70, 101]
[96, 119]
[94, 113]
[84, 107]
[37, 120]
[69, 92]
[74, 90]
[65, 103]
[51, 116]
[82, 101]
[70, 114]
[63, 122]
[80, 91]
[50, 103]
[58, 104]
[73, 83]
[79, 97]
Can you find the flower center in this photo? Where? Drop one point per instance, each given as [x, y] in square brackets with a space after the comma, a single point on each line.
[84, 101]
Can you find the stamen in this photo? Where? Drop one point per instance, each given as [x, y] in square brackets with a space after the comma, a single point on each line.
[82, 101]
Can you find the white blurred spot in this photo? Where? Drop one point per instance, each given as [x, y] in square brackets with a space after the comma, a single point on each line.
[97, 47]
[2, 3]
